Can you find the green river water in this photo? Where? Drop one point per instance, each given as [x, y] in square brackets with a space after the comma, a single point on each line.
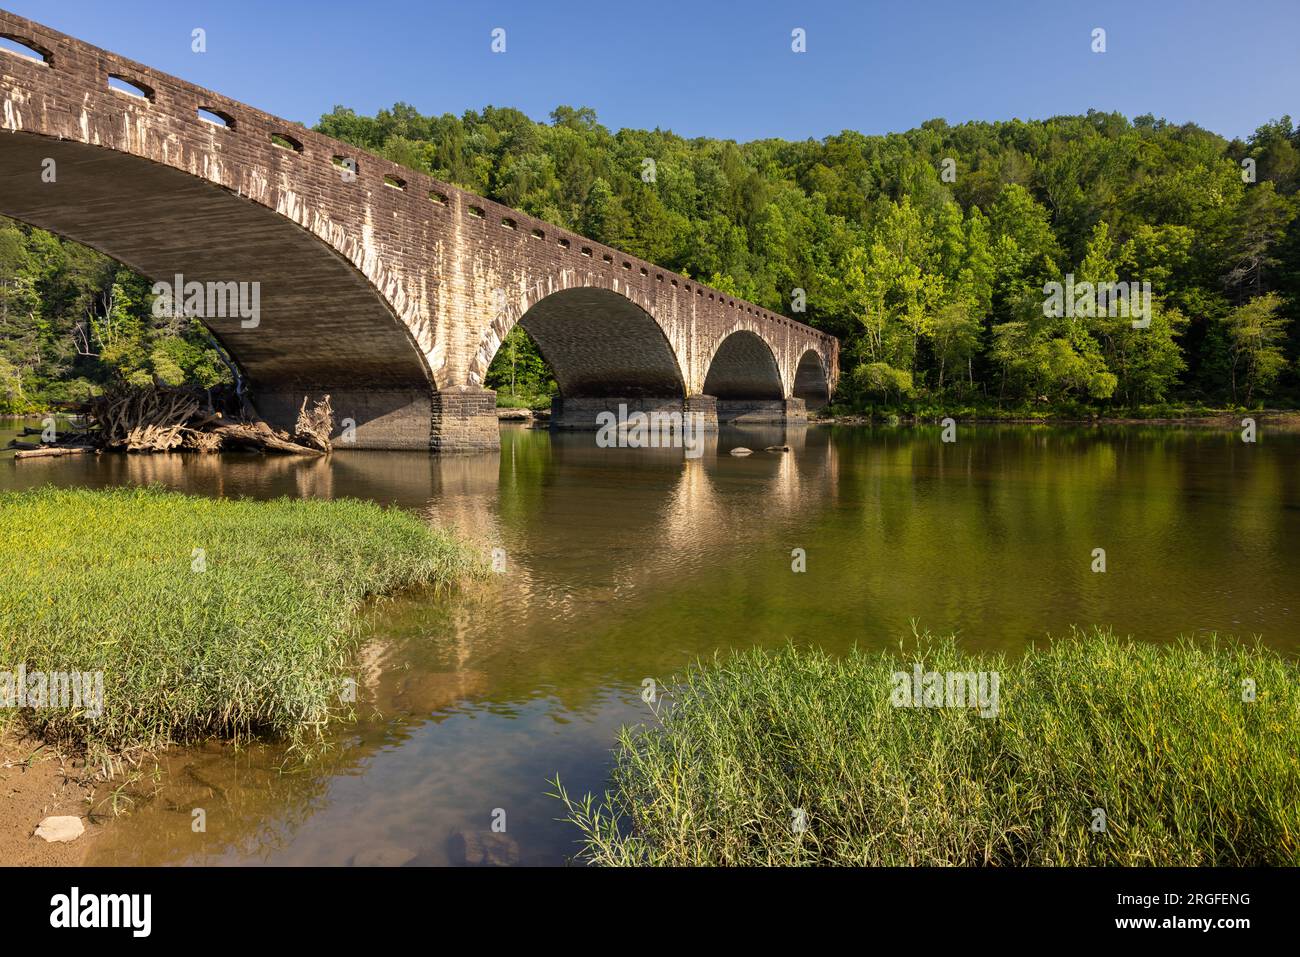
[623, 564]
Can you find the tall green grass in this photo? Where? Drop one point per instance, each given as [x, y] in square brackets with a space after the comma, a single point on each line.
[1158, 737]
[256, 643]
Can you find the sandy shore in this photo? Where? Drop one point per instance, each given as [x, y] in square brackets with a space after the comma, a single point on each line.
[37, 782]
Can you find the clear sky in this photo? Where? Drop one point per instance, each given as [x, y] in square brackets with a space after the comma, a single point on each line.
[723, 69]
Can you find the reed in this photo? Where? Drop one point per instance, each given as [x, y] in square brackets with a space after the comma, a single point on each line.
[1158, 737]
[206, 617]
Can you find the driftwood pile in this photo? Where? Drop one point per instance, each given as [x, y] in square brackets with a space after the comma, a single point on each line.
[165, 419]
[144, 420]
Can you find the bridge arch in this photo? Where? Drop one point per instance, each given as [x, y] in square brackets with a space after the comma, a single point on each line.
[599, 340]
[743, 366]
[811, 382]
[320, 318]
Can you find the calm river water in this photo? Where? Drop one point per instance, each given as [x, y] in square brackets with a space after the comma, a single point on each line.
[627, 564]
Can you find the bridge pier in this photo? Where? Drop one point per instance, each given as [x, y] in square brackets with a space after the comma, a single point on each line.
[452, 420]
[705, 406]
[464, 419]
[579, 413]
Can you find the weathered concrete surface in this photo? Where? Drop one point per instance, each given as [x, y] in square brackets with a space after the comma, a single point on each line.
[379, 285]
[581, 413]
[756, 411]
[374, 418]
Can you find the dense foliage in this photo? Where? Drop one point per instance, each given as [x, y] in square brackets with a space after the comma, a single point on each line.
[73, 320]
[926, 252]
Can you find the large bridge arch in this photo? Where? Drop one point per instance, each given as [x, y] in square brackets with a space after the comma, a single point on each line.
[150, 181]
[320, 318]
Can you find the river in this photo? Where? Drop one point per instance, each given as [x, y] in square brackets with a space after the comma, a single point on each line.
[623, 564]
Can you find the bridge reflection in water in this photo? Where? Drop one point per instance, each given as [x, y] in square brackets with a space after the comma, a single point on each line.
[591, 535]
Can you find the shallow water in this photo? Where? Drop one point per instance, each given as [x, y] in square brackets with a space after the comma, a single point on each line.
[627, 564]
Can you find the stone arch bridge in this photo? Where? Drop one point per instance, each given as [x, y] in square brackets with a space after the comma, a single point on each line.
[379, 285]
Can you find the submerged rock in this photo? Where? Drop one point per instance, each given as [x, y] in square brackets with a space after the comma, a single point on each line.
[383, 855]
[61, 828]
[777, 448]
[480, 848]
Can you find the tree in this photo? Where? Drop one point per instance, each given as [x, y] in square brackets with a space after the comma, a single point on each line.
[956, 333]
[883, 380]
[12, 399]
[1255, 335]
[1260, 223]
[518, 368]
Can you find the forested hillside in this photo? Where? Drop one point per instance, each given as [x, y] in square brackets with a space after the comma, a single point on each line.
[926, 252]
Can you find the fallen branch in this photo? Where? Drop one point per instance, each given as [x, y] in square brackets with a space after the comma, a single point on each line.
[261, 435]
[53, 451]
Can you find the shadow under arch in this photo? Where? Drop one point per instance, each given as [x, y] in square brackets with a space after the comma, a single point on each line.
[810, 382]
[322, 321]
[743, 367]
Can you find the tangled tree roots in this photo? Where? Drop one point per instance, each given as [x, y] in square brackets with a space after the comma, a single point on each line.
[165, 419]
[162, 419]
[144, 420]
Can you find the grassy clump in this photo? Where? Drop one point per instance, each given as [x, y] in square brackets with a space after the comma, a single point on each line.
[1156, 736]
[254, 643]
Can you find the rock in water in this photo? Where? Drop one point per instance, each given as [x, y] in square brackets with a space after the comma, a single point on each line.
[741, 450]
[62, 828]
[481, 849]
[383, 855]
[777, 448]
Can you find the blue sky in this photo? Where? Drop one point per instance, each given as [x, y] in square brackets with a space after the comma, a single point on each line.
[723, 69]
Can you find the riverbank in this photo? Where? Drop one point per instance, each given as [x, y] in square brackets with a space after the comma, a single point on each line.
[1284, 419]
[161, 617]
[1089, 751]
[172, 618]
[37, 782]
